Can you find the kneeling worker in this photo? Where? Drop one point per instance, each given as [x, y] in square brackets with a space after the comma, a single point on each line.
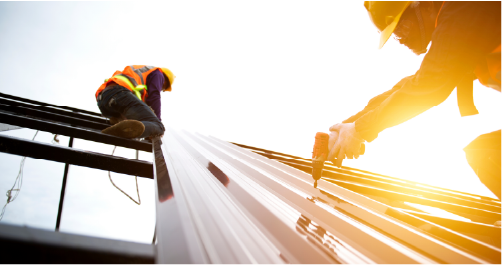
[128, 98]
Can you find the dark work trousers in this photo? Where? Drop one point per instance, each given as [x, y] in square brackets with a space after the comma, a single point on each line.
[119, 101]
[483, 155]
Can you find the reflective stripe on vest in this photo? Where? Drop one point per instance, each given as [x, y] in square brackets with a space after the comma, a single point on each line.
[142, 70]
[130, 82]
[138, 73]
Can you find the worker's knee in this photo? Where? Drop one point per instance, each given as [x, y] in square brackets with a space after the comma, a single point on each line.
[153, 128]
[161, 127]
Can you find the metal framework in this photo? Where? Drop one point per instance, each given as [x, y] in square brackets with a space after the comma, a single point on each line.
[221, 202]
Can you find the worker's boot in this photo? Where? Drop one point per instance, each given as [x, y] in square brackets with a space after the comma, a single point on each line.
[126, 129]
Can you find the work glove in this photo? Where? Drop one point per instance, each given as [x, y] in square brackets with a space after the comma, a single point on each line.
[333, 137]
[344, 142]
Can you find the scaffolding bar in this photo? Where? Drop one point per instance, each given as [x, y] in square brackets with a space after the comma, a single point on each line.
[52, 110]
[49, 105]
[55, 117]
[37, 150]
[35, 246]
[81, 133]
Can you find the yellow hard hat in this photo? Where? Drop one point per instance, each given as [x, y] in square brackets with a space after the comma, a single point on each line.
[170, 76]
[385, 15]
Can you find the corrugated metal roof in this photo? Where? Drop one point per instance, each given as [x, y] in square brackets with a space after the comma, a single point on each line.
[241, 204]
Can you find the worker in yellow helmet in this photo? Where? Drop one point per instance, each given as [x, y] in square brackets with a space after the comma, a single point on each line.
[465, 45]
[131, 99]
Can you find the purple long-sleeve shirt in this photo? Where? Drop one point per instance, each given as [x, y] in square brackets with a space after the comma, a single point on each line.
[154, 83]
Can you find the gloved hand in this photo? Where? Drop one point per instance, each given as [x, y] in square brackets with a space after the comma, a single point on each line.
[346, 144]
[333, 137]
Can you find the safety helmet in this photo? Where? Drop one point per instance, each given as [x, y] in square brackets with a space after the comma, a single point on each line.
[385, 15]
[170, 76]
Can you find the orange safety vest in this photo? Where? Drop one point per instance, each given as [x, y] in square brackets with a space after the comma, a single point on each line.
[133, 77]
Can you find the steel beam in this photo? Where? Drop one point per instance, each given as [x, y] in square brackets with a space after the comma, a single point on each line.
[37, 246]
[95, 114]
[81, 133]
[8, 103]
[54, 117]
[37, 150]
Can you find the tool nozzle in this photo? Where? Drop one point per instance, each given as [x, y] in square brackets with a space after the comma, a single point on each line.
[319, 155]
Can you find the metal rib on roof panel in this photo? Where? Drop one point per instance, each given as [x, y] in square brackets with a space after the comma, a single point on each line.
[236, 206]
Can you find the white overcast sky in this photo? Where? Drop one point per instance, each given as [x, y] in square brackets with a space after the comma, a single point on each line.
[268, 74]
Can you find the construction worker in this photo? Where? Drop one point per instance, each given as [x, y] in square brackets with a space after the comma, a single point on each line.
[465, 45]
[131, 100]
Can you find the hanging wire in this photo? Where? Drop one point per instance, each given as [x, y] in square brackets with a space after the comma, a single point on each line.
[137, 189]
[18, 183]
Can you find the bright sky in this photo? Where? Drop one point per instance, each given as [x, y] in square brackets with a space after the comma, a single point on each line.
[268, 74]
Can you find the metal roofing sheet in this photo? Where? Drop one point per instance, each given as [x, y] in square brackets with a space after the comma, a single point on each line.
[235, 206]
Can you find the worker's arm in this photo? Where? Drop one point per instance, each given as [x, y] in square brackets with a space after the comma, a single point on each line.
[154, 83]
[348, 125]
[376, 101]
[463, 35]
[410, 97]
[414, 97]
[457, 45]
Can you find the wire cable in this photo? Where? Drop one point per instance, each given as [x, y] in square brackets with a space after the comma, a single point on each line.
[137, 189]
[18, 183]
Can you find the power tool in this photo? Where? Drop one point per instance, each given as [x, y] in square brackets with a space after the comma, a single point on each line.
[320, 154]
